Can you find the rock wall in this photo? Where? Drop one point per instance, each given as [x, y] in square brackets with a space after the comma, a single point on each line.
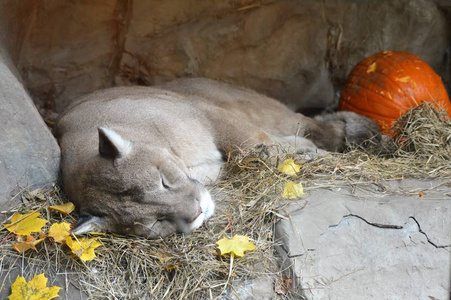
[29, 154]
[297, 51]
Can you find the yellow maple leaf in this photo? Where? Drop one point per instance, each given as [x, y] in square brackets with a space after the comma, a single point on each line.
[83, 248]
[29, 242]
[235, 246]
[59, 231]
[25, 224]
[289, 167]
[64, 209]
[21, 247]
[34, 289]
[292, 190]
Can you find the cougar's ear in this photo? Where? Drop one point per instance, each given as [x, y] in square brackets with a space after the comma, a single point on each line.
[112, 145]
[87, 223]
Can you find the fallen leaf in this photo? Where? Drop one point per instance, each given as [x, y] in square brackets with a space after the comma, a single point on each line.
[64, 209]
[59, 231]
[27, 243]
[292, 190]
[289, 167]
[34, 289]
[25, 224]
[167, 261]
[21, 247]
[283, 286]
[235, 246]
[25, 238]
[83, 248]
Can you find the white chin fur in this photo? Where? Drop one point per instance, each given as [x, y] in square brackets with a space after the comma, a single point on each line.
[207, 206]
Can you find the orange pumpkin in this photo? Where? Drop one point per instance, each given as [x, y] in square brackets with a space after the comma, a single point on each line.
[386, 85]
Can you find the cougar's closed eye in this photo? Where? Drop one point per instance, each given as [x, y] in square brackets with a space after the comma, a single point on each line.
[164, 182]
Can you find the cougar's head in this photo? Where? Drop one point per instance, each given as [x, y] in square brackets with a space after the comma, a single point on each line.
[131, 188]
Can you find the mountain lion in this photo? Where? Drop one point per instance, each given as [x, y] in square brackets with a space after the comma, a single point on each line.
[135, 159]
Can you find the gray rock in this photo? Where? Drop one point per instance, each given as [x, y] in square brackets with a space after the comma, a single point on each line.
[299, 52]
[340, 245]
[29, 154]
[11, 267]
[252, 289]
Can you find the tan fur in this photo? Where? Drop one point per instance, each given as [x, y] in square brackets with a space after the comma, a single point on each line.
[143, 172]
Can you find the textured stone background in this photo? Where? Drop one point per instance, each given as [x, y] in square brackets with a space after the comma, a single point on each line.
[29, 154]
[296, 51]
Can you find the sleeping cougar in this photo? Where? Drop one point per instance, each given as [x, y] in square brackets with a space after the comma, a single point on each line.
[135, 159]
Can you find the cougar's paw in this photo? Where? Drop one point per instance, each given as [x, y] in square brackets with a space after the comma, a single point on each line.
[358, 129]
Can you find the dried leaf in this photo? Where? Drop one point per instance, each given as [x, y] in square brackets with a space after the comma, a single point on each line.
[34, 289]
[283, 286]
[83, 248]
[29, 242]
[292, 190]
[64, 209]
[21, 247]
[25, 224]
[59, 231]
[289, 167]
[235, 246]
[167, 261]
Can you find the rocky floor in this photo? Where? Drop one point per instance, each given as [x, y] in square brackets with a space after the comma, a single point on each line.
[369, 244]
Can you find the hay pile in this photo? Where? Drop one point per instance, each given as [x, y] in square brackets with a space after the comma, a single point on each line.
[178, 267]
[188, 267]
[420, 148]
[424, 132]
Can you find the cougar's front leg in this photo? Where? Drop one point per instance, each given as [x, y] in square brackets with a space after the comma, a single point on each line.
[334, 132]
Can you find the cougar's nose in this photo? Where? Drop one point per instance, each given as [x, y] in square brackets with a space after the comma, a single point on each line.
[199, 211]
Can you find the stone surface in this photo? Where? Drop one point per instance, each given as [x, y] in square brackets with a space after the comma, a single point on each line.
[297, 51]
[29, 154]
[11, 267]
[253, 289]
[370, 244]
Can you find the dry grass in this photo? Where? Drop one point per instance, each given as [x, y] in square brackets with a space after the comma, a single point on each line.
[419, 148]
[178, 267]
[188, 267]
[424, 132]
